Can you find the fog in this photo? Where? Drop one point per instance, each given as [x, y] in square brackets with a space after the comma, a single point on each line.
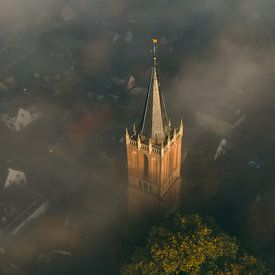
[215, 57]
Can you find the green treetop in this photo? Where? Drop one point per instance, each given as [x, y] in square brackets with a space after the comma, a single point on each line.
[189, 245]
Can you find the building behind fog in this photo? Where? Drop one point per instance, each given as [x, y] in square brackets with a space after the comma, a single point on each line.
[22, 119]
[154, 157]
[19, 204]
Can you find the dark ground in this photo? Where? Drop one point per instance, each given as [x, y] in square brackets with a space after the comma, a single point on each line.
[212, 60]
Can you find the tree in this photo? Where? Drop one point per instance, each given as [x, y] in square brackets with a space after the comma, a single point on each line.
[191, 245]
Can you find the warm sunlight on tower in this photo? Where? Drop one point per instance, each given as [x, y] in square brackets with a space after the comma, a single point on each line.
[154, 156]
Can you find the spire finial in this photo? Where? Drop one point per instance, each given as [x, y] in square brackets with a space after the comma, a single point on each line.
[155, 42]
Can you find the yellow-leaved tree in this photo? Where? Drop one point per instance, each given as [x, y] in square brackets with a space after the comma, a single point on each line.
[190, 245]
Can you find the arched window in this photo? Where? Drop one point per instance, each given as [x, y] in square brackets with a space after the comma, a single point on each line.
[154, 171]
[134, 164]
[146, 172]
[171, 163]
[176, 156]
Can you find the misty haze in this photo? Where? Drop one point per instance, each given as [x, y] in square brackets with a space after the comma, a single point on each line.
[129, 129]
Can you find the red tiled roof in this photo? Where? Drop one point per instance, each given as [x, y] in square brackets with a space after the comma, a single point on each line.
[91, 123]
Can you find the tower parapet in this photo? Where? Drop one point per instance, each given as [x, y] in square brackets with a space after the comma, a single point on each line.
[149, 146]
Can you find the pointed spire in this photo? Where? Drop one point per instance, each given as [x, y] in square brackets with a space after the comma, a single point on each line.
[127, 137]
[168, 142]
[134, 129]
[138, 142]
[161, 149]
[169, 122]
[181, 127]
[150, 146]
[154, 121]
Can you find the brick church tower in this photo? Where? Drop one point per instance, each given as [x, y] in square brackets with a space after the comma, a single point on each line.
[154, 157]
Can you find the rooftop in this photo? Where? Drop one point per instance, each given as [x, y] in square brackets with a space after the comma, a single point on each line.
[17, 205]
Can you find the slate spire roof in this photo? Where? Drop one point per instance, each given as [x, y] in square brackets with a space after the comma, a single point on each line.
[154, 122]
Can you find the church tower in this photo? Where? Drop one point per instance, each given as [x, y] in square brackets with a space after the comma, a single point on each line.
[154, 156]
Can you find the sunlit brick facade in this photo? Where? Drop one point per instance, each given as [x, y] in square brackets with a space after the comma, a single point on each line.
[154, 158]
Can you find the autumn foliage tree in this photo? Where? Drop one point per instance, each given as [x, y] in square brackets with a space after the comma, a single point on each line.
[191, 245]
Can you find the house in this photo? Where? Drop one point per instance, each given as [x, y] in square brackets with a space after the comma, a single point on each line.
[131, 83]
[19, 205]
[68, 13]
[21, 120]
[91, 124]
[215, 125]
[15, 177]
